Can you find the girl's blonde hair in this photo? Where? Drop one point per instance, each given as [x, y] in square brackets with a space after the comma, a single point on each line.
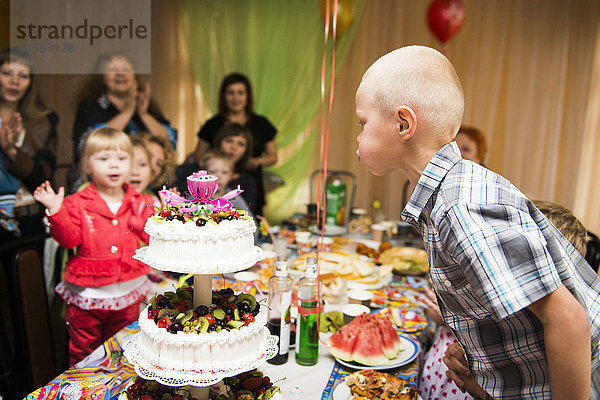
[103, 139]
[137, 141]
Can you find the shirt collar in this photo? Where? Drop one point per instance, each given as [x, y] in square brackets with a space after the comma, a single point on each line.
[430, 179]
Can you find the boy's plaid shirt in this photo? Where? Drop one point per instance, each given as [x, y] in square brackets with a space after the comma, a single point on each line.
[493, 253]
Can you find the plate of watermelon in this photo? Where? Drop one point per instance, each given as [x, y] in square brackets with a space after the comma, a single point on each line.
[384, 349]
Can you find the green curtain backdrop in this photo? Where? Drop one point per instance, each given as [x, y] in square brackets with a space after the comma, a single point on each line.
[279, 45]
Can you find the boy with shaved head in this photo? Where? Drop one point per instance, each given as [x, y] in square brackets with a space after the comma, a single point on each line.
[506, 280]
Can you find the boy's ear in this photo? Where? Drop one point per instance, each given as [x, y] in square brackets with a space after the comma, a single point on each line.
[406, 121]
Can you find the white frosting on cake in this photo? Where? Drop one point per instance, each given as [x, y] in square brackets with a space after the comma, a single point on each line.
[187, 248]
[211, 351]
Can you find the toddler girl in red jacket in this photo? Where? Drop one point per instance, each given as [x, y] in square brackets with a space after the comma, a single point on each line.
[102, 283]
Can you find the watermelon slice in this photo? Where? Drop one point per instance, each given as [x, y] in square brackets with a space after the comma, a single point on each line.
[389, 336]
[341, 344]
[369, 349]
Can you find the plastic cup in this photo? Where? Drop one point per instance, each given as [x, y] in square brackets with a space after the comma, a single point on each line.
[352, 311]
[269, 259]
[303, 245]
[324, 244]
[357, 296]
[303, 236]
[377, 231]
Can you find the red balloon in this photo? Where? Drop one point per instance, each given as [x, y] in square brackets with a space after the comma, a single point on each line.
[445, 18]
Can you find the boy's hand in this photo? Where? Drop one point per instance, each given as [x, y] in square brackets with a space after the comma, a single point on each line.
[50, 199]
[458, 371]
[433, 310]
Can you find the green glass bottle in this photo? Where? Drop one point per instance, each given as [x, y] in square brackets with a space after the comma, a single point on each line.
[307, 333]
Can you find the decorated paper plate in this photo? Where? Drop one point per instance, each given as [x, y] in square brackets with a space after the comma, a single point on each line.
[342, 392]
[410, 352]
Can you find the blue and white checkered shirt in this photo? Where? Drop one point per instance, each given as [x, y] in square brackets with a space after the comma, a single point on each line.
[493, 253]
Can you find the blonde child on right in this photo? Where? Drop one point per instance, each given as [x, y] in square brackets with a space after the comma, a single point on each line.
[219, 164]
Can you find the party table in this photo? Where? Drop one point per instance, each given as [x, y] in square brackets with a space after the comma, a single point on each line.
[105, 373]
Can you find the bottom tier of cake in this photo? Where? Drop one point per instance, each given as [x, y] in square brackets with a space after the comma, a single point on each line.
[198, 359]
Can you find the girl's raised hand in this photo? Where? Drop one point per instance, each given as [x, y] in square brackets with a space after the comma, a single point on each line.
[49, 198]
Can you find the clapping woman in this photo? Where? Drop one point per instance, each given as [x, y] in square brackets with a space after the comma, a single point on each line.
[28, 144]
[236, 105]
[115, 98]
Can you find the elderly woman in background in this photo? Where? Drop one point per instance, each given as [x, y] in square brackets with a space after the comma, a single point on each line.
[115, 97]
[28, 146]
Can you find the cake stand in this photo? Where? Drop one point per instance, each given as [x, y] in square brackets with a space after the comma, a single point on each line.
[198, 379]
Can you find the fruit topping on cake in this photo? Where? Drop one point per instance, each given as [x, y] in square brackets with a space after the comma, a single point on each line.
[142, 389]
[252, 385]
[174, 311]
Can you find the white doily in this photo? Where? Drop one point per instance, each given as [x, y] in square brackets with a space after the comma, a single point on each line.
[195, 266]
[181, 377]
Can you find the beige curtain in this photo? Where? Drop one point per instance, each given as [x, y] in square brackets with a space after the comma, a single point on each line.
[530, 75]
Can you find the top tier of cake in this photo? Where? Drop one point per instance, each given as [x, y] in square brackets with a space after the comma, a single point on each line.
[200, 236]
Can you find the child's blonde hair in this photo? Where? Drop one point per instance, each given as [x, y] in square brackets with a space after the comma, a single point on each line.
[103, 139]
[137, 141]
[216, 154]
[169, 165]
[567, 223]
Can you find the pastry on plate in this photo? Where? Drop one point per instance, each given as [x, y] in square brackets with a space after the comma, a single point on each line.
[371, 385]
[406, 260]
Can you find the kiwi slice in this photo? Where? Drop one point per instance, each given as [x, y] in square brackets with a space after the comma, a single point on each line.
[255, 374]
[166, 396]
[235, 324]
[184, 316]
[187, 316]
[236, 314]
[202, 325]
[179, 317]
[248, 298]
[218, 313]
[163, 313]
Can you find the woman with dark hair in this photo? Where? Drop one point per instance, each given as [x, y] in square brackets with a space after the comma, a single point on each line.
[27, 145]
[236, 105]
[115, 97]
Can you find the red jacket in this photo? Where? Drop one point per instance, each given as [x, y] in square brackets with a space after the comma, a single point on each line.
[105, 242]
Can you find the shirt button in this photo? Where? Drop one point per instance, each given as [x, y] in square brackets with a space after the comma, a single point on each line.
[447, 283]
[115, 222]
[113, 249]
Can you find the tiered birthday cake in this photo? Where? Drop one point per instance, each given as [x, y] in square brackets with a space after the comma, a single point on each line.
[183, 343]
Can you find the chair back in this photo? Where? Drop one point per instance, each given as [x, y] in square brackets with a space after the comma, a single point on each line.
[37, 330]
